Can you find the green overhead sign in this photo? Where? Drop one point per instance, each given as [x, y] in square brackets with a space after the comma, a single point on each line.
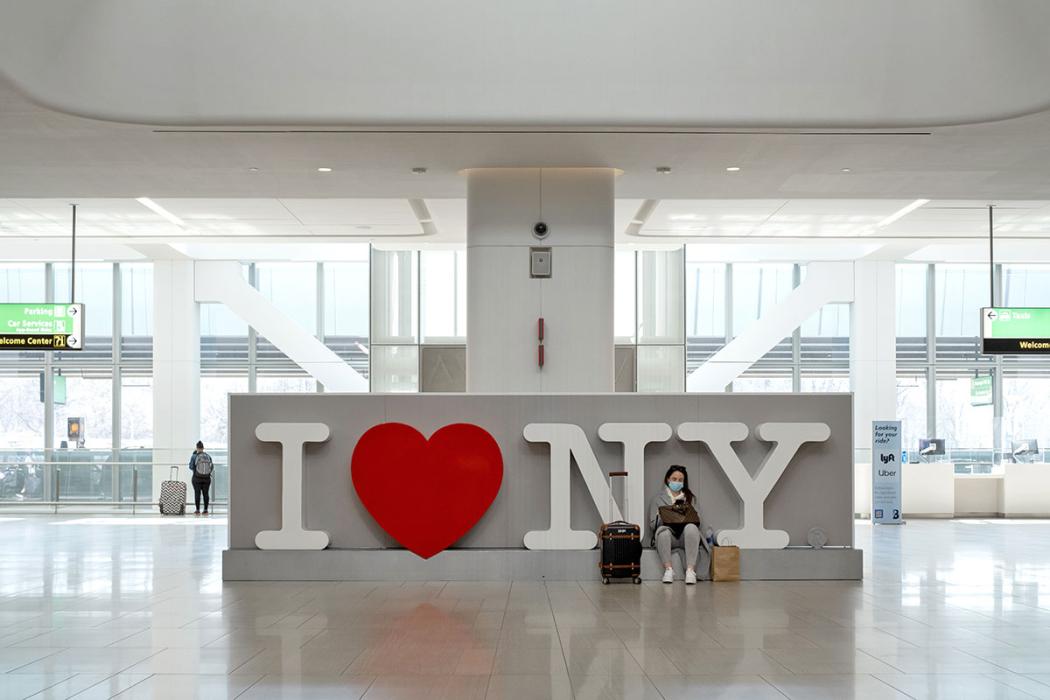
[41, 326]
[981, 391]
[1015, 331]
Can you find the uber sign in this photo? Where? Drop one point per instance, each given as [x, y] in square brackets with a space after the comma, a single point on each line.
[886, 472]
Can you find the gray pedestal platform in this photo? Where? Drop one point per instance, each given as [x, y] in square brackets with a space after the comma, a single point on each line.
[512, 565]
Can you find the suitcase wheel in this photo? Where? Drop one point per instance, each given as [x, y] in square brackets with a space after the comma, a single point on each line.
[637, 579]
[605, 580]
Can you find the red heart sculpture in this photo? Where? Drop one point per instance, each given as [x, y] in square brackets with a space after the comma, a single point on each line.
[444, 485]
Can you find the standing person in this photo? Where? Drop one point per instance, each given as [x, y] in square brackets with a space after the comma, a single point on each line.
[687, 537]
[202, 466]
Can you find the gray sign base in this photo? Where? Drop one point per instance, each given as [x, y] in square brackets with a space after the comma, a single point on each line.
[796, 564]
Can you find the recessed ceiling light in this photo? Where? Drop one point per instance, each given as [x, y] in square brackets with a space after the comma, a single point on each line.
[663, 170]
[637, 222]
[733, 169]
[903, 211]
[253, 170]
[847, 170]
[324, 170]
[426, 221]
[419, 171]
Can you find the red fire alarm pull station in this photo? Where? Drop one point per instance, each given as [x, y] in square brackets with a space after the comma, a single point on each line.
[539, 335]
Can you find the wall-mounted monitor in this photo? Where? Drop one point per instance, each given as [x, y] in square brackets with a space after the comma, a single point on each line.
[1024, 451]
[931, 447]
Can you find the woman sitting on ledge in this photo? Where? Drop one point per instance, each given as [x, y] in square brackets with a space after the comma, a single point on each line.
[678, 502]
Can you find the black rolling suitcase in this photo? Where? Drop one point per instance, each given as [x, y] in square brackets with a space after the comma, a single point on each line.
[620, 544]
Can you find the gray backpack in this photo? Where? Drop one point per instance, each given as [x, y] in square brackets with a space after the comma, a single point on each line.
[203, 465]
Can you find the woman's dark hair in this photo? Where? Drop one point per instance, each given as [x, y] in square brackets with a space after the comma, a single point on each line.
[200, 445]
[685, 481]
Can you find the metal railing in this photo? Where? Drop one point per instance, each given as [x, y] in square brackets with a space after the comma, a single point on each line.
[968, 460]
[85, 478]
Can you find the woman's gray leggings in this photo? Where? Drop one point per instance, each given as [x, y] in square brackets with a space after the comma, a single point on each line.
[689, 543]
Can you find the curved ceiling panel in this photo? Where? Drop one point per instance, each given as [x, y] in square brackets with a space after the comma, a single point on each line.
[532, 63]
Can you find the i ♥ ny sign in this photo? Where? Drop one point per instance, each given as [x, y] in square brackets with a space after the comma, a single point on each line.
[459, 468]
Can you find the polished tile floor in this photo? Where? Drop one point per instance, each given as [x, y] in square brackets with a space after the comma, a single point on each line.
[99, 607]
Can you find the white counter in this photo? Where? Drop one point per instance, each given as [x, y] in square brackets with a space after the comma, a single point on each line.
[935, 491]
[1026, 491]
[928, 490]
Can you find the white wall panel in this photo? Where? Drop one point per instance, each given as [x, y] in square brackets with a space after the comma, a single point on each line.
[176, 368]
[504, 304]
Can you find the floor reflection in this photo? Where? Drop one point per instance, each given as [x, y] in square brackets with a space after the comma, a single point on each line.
[97, 607]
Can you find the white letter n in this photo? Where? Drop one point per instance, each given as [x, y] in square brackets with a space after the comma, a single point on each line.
[568, 442]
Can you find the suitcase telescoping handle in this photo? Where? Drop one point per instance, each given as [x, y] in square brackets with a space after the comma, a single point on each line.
[613, 475]
[173, 473]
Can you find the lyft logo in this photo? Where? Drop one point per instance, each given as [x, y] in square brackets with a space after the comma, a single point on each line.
[568, 443]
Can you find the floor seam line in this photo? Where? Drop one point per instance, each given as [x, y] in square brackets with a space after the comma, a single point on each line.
[250, 686]
[896, 690]
[30, 663]
[771, 685]
[43, 690]
[561, 645]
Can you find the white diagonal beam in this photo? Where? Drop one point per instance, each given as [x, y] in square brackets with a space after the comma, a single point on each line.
[222, 282]
[825, 283]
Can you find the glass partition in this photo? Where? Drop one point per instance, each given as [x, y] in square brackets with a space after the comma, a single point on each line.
[443, 296]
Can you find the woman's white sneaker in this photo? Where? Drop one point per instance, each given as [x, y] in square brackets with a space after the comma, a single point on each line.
[668, 576]
[690, 577]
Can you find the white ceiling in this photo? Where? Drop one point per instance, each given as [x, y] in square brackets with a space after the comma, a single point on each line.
[802, 218]
[744, 229]
[129, 220]
[46, 154]
[543, 63]
[791, 199]
[673, 220]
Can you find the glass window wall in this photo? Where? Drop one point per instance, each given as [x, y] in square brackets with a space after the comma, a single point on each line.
[705, 307]
[443, 296]
[395, 368]
[215, 391]
[911, 409]
[22, 420]
[670, 305]
[136, 413]
[395, 297]
[625, 321]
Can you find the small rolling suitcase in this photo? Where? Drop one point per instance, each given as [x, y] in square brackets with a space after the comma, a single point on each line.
[620, 543]
[173, 495]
